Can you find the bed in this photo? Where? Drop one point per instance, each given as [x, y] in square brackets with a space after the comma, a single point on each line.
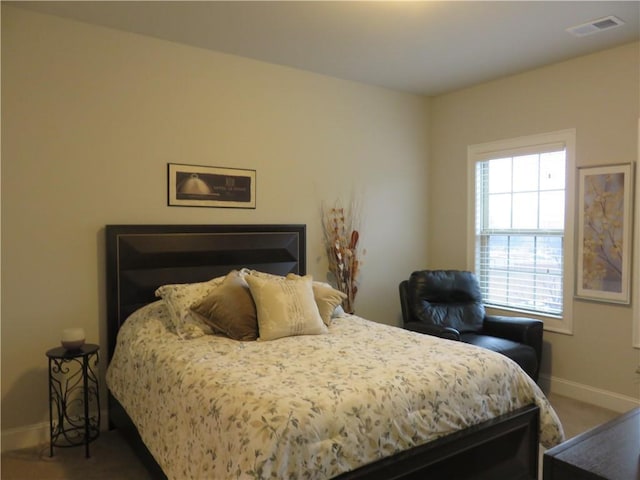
[357, 401]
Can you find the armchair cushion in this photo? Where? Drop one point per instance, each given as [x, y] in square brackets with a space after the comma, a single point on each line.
[435, 330]
[522, 354]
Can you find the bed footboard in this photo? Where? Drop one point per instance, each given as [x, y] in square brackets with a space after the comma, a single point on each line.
[504, 447]
[500, 448]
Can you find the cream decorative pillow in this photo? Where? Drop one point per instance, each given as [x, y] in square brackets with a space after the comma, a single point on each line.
[179, 297]
[285, 307]
[230, 309]
[327, 298]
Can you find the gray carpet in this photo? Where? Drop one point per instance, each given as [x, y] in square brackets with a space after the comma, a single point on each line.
[112, 459]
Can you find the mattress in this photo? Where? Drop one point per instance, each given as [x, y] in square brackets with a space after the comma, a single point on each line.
[308, 406]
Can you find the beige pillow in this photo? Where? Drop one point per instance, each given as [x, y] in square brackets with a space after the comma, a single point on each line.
[230, 309]
[178, 298]
[285, 307]
[327, 298]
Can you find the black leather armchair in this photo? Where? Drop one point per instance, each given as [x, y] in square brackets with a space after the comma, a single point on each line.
[448, 304]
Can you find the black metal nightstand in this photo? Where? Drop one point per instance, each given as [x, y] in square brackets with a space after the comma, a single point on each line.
[73, 387]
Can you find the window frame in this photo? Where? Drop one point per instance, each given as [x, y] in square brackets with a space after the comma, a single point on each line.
[635, 279]
[519, 146]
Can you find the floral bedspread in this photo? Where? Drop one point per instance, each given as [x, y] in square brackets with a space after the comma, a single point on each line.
[307, 406]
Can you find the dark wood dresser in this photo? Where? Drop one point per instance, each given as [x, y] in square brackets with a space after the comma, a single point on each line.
[610, 451]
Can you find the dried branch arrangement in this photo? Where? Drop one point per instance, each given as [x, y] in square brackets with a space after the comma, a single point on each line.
[341, 237]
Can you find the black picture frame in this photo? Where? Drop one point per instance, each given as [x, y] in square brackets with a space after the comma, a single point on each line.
[205, 186]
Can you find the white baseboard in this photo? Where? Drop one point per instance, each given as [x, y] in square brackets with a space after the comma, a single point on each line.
[34, 435]
[585, 393]
[25, 437]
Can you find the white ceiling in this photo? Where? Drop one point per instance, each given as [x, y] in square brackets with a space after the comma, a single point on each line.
[427, 47]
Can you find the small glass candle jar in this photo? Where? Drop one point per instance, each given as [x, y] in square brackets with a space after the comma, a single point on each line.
[72, 338]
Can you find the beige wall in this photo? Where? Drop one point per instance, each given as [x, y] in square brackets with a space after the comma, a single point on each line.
[90, 119]
[598, 95]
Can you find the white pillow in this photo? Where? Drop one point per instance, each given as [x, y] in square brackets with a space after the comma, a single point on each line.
[285, 307]
[179, 298]
[338, 312]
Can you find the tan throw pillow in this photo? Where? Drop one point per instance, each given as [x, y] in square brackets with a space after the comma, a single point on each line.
[230, 309]
[327, 298]
[285, 307]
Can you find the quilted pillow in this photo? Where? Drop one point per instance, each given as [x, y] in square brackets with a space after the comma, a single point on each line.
[229, 309]
[327, 298]
[179, 297]
[264, 275]
[285, 307]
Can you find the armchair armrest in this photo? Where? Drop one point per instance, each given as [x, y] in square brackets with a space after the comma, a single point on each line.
[435, 330]
[518, 329]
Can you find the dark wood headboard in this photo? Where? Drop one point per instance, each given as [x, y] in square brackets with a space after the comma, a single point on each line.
[140, 258]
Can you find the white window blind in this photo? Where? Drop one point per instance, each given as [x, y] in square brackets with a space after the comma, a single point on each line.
[520, 230]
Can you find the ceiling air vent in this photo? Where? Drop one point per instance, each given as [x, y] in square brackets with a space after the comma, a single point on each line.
[595, 26]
